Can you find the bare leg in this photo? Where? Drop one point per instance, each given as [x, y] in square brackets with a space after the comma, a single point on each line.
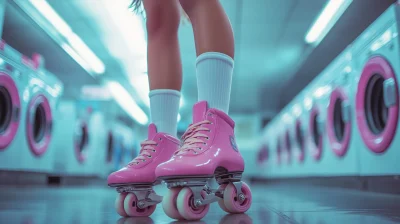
[164, 61]
[211, 26]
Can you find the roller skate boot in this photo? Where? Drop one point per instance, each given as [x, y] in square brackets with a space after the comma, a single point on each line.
[135, 181]
[208, 150]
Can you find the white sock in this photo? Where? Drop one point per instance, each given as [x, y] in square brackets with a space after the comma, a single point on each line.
[214, 79]
[164, 107]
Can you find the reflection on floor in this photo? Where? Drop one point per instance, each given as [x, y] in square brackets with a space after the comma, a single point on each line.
[275, 204]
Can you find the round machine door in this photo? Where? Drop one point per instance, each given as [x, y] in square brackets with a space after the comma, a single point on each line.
[377, 104]
[338, 122]
[10, 107]
[288, 147]
[278, 151]
[81, 141]
[39, 124]
[300, 141]
[315, 133]
[110, 147]
[263, 154]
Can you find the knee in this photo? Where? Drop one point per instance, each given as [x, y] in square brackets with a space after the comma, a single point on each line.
[192, 6]
[162, 17]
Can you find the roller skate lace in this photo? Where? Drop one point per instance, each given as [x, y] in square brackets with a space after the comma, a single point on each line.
[192, 138]
[147, 148]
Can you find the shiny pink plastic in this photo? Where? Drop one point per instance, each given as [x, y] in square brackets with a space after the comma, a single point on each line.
[219, 148]
[144, 171]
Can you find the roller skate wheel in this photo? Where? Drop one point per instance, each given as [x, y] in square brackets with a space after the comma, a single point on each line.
[185, 205]
[119, 205]
[231, 201]
[131, 208]
[169, 203]
[221, 202]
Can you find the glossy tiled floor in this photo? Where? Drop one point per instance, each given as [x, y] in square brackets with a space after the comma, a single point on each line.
[276, 204]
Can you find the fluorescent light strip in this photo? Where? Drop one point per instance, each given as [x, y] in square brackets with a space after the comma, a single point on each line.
[325, 21]
[127, 103]
[74, 55]
[82, 49]
[76, 44]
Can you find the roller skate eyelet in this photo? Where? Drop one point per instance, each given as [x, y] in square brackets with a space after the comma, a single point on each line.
[154, 150]
[148, 156]
[160, 139]
[143, 160]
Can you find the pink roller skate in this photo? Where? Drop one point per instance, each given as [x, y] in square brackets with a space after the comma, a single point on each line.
[134, 182]
[208, 151]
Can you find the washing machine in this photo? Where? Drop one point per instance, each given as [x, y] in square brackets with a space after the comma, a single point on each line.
[39, 95]
[124, 140]
[271, 140]
[107, 158]
[44, 91]
[12, 108]
[339, 156]
[263, 155]
[298, 136]
[77, 136]
[283, 153]
[376, 89]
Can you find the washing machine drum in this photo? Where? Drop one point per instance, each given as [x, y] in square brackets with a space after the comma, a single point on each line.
[377, 104]
[263, 154]
[300, 140]
[288, 146]
[339, 124]
[279, 151]
[9, 110]
[110, 147]
[39, 124]
[315, 133]
[81, 141]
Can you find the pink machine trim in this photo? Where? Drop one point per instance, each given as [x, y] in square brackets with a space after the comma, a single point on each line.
[376, 143]
[7, 137]
[39, 148]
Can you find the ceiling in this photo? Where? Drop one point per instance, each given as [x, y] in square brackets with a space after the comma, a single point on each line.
[272, 61]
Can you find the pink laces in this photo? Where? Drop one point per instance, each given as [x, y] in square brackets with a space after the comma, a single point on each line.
[192, 137]
[145, 152]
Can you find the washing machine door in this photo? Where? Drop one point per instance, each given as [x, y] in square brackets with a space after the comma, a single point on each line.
[377, 104]
[300, 140]
[288, 147]
[338, 122]
[315, 133]
[39, 124]
[263, 154]
[10, 107]
[110, 147]
[278, 151]
[81, 141]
